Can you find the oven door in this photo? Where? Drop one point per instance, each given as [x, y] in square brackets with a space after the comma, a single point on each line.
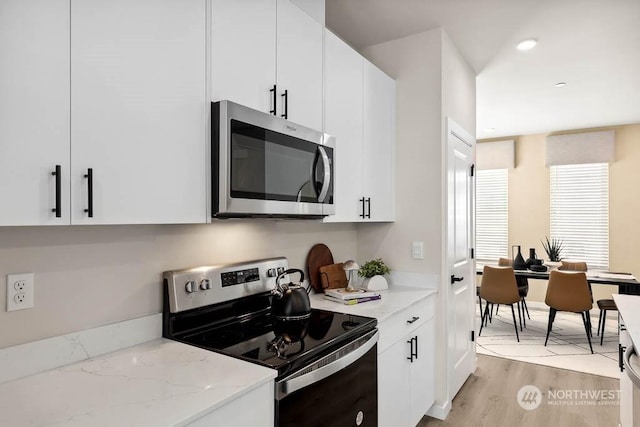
[269, 166]
[340, 389]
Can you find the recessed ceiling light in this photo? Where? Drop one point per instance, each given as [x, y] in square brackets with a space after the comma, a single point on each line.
[527, 44]
[489, 129]
[561, 84]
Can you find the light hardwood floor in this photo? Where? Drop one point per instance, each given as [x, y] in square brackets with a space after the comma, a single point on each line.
[488, 398]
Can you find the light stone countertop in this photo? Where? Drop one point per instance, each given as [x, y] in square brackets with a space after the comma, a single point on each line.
[629, 308]
[159, 383]
[394, 299]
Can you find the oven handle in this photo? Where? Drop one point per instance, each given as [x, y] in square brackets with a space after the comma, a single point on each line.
[288, 386]
[631, 372]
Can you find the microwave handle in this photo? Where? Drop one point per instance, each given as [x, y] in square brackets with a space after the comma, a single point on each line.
[327, 175]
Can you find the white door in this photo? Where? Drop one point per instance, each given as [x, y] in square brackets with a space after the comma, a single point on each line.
[139, 111]
[299, 65]
[243, 52]
[460, 203]
[343, 119]
[34, 111]
[379, 133]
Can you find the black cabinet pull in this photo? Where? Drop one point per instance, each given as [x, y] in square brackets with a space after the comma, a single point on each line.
[285, 95]
[369, 207]
[410, 342]
[273, 99]
[413, 319]
[362, 206]
[89, 176]
[621, 350]
[416, 354]
[58, 174]
[455, 279]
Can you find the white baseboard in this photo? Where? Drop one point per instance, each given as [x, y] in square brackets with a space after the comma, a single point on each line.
[439, 410]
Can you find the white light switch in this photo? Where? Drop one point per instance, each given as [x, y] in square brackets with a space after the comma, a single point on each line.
[417, 250]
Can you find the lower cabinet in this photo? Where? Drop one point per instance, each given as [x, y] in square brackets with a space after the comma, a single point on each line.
[255, 409]
[406, 369]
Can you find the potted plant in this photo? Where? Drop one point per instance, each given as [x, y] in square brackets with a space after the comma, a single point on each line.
[553, 248]
[373, 272]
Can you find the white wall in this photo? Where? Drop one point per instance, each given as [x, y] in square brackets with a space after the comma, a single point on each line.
[433, 82]
[87, 276]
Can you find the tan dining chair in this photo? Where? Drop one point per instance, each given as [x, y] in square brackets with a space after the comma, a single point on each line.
[573, 266]
[499, 286]
[569, 292]
[604, 305]
[523, 289]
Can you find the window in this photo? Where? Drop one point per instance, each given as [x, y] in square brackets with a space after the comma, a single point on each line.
[580, 212]
[491, 214]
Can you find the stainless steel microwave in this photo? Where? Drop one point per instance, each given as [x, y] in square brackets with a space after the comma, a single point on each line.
[265, 166]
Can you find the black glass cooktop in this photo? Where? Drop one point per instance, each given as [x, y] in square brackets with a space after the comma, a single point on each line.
[282, 345]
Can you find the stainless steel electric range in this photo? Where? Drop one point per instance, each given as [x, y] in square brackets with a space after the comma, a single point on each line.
[326, 363]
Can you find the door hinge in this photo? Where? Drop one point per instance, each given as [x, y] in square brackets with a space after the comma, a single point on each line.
[473, 168]
[473, 253]
[473, 336]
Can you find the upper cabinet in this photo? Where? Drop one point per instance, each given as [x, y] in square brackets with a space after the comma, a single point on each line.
[138, 110]
[267, 55]
[34, 112]
[360, 113]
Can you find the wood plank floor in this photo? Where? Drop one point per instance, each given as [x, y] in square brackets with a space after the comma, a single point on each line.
[488, 398]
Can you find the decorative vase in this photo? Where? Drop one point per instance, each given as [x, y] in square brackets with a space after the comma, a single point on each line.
[375, 283]
[518, 261]
[553, 265]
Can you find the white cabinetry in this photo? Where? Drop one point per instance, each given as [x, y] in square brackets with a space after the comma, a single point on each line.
[255, 409]
[34, 111]
[256, 44]
[406, 365]
[138, 109]
[117, 87]
[360, 113]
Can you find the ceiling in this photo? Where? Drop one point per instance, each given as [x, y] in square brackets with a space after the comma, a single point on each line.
[592, 45]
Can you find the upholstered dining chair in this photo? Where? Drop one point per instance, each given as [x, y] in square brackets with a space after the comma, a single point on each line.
[569, 292]
[523, 288]
[579, 266]
[498, 286]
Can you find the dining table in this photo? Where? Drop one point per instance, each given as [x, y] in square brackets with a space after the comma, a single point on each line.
[627, 283]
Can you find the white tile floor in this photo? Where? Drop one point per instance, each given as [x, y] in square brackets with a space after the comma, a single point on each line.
[567, 348]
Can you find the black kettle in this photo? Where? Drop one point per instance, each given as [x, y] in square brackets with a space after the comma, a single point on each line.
[290, 301]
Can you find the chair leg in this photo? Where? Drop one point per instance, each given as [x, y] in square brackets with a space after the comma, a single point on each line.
[481, 313]
[519, 315]
[585, 315]
[515, 325]
[524, 302]
[522, 307]
[486, 314]
[497, 307]
[599, 322]
[552, 316]
[604, 319]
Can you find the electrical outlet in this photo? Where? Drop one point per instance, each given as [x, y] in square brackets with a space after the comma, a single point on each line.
[417, 250]
[19, 291]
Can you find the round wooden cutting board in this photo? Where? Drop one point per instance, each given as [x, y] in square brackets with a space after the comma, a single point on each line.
[319, 256]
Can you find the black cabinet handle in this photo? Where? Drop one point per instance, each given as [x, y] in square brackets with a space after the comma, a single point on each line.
[413, 351]
[621, 350]
[455, 279]
[410, 342]
[362, 206]
[273, 99]
[416, 354]
[89, 176]
[58, 174]
[285, 95]
[369, 207]
[413, 319]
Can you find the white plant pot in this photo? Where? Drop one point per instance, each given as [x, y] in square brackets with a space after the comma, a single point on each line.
[553, 265]
[375, 283]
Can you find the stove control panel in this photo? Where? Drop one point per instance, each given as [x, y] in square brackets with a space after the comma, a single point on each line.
[202, 286]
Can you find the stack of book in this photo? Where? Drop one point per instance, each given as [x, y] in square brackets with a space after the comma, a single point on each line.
[350, 297]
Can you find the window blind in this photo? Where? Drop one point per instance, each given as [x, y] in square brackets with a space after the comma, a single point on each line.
[491, 214]
[580, 212]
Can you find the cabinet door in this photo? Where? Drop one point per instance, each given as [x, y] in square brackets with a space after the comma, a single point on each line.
[394, 402]
[138, 108]
[34, 110]
[343, 119]
[299, 65]
[423, 372]
[379, 136]
[243, 52]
